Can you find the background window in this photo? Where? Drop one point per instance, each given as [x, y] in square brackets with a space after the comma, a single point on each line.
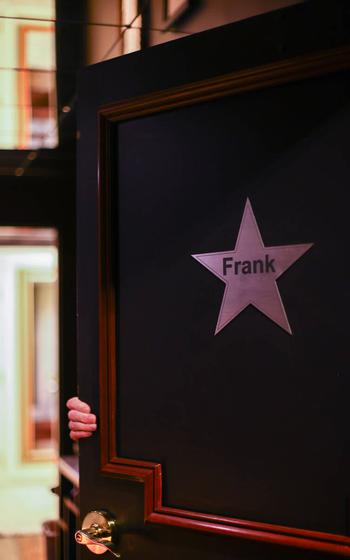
[28, 107]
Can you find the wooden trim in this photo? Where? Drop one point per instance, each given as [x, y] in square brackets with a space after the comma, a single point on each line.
[71, 506]
[27, 328]
[24, 101]
[315, 541]
[68, 466]
[147, 473]
[26, 281]
[242, 81]
[170, 19]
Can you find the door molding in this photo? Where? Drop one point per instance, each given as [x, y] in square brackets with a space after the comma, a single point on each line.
[148, 473]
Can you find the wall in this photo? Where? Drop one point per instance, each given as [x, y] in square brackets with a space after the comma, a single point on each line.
[207, 14]
[101, 38]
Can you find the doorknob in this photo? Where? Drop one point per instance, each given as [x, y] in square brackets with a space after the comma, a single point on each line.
[98, 532]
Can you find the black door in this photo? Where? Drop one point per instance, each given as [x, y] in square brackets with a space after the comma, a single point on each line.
[213, 291]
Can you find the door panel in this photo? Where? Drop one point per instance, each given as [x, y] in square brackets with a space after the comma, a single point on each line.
[239, 436]
[251, 404]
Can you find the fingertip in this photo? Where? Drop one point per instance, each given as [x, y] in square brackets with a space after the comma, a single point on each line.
[70, 402]
[85, 407]
[74, 403]
[75, 436]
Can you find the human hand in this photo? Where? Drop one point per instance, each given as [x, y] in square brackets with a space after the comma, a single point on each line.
[82, 423]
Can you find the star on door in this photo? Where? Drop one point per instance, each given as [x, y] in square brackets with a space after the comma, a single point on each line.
[250, 272]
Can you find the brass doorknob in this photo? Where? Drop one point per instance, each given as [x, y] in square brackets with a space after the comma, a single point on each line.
[98, 532]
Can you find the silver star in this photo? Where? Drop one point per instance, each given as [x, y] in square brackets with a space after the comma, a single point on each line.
[250, 272]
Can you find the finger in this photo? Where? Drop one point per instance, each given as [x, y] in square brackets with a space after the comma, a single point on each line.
[76, 404]
[79, 426]
[77, 416]
[75, 435]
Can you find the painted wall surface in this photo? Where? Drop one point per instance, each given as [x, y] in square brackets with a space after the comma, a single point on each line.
[208, 14]
[102, 38]
[109, 17]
